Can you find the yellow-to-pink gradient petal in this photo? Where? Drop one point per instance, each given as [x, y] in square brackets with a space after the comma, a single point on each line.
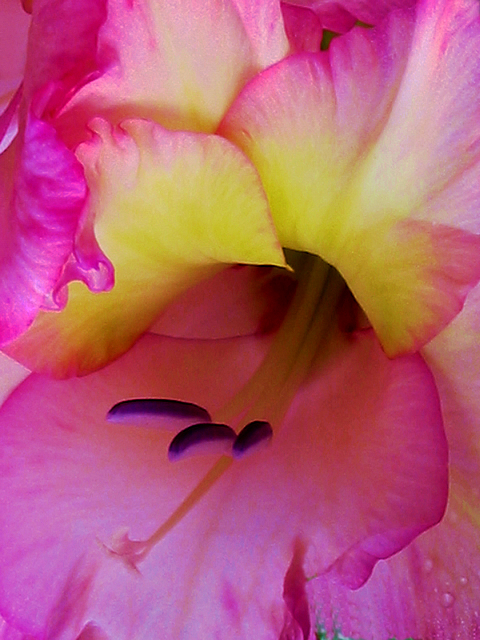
[178, 63]
[380, 131]
[169, 209]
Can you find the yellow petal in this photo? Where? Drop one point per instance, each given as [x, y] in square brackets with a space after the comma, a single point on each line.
[170, 209]
[380, 130]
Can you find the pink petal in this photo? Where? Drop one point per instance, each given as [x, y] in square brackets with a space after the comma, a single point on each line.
[432, 588]
[238, 301]
[44, 242]
[348, 177]
[177, 78]
[13, 44]
[358, 464]
[331, 15]
[14, 24]
[303, 28]
[263, 23]
[62, 42]
[454, 357]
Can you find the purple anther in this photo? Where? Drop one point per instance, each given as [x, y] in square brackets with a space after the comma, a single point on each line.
[201, 438]
[255, 434]
[159, 413]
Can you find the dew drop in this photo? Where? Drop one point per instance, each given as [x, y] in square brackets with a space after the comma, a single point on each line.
[201, 438]
[428, 565]
[447, 599]
[463, 580]
[453, 517]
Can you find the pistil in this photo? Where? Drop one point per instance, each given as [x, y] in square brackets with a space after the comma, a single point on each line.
[269, 392]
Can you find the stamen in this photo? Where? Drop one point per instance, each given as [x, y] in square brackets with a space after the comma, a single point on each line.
[254, 435]
[201, 438]
[157, 412]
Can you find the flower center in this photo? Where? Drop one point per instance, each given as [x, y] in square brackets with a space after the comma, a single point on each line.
[263, 402]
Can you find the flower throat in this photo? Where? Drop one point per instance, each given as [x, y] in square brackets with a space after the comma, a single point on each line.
[253, 416]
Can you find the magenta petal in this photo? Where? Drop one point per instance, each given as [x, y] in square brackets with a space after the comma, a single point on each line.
[360, 458]
[14, 25]
[341, 15]
[303, 28]
[62, 41]
[334, 17]
[42, 202]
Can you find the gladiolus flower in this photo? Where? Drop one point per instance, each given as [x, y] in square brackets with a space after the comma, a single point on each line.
[265, 467]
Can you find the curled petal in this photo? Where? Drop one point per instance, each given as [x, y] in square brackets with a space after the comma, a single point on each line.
[43, 193]
[92, 632]
[344, 168]
[433, 266]
[170, 209]
[11, 374]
